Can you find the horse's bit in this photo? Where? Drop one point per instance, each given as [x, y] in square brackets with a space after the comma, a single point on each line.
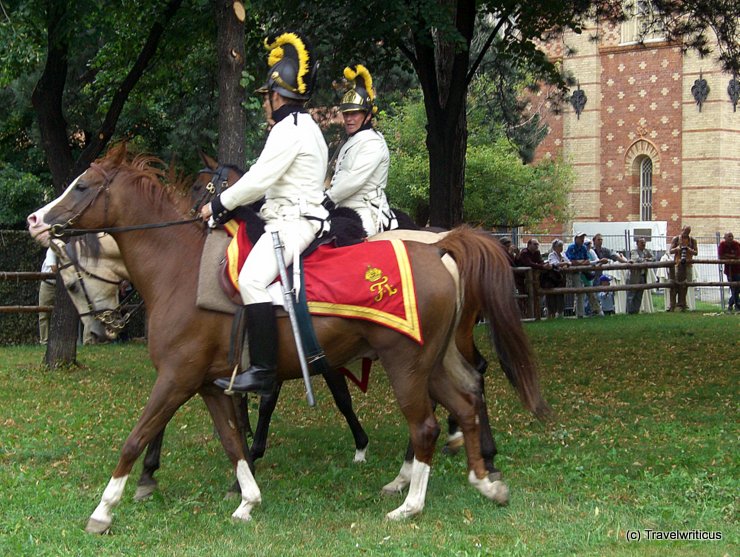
[113, 319]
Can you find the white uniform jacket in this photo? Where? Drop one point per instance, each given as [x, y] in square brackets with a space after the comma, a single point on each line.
[289, 172]
[360, 178]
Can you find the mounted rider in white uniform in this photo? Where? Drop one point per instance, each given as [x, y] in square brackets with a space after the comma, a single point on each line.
[361, 171]
[289, 173]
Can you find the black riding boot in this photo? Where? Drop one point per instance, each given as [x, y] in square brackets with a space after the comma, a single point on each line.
[262, 338]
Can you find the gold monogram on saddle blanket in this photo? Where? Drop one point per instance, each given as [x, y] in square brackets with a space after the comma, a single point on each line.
[379, 283]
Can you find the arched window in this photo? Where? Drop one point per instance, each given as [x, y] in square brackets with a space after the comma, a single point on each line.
[646, 189]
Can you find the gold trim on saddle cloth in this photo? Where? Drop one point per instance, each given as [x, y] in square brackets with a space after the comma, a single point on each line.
[232, 252]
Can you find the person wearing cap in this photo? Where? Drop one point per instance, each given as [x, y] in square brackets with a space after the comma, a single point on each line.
[606, 299]
[577, 253]
[638, 276]
[289, 174]
[361, 169]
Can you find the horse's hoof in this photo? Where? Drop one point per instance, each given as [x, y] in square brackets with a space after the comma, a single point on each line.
[496, 490]
[360, 455]
[243, 512]
[97, 526]
[402, 513]
[144, 491]
[495, 476]
[500, 493]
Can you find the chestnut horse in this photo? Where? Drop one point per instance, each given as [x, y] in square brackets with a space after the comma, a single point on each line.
[189, 346]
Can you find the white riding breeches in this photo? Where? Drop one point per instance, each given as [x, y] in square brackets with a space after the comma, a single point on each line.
[261, 267]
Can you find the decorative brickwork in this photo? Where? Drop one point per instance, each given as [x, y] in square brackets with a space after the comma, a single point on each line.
[640, 105]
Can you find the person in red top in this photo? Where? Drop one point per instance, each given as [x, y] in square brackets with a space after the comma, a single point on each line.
[730, 249]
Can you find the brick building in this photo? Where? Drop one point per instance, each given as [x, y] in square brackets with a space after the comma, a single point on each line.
[643, 147]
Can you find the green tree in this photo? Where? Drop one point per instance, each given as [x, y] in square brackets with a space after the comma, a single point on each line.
[500, 191]
[21, 193]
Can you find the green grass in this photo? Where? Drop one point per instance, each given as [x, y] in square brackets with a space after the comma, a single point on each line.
[645, 437]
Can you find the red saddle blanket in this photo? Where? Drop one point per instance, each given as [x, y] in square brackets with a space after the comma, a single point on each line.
[370, 280]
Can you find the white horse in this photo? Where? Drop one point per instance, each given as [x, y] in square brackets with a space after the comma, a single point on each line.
[92, 269]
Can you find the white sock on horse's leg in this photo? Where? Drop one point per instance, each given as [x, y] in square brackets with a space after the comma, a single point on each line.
[400, 482]
[416, 496]
[251, 495]
[102, 516]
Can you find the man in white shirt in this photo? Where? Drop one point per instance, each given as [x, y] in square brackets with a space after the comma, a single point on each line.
[361, 171]
[289, 173]
[47, 293]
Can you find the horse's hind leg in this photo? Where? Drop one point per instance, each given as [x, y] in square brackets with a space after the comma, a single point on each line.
[487, 442]
[340, 391]
[164, 400]
[147, 484]
[466, 408]
[224, 418]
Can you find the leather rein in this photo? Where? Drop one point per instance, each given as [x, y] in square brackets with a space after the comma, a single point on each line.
[63, 230]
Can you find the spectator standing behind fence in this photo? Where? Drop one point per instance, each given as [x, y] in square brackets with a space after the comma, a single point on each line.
[555, 278]
[730, 249]
[589, 279]
[577, 253]
[606, 253]
[606, 298]
[638, 276]
[47, 290]
[531, 257]
[683, 249]
[510, 249]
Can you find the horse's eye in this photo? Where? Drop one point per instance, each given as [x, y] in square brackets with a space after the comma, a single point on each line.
[81, 186]
[72, 287]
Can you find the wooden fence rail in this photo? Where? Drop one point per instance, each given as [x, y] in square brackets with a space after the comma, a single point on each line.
[20, 276]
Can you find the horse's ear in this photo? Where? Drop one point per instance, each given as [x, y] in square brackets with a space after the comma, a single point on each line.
[117, 153]
[210, 162]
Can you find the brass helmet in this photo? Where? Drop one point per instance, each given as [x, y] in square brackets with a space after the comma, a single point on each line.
[361, 95]
[292, 71]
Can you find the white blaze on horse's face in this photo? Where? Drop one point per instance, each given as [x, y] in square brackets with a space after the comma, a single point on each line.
[37, 226]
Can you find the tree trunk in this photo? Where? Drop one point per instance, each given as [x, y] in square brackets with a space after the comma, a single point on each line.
[442, 67]
[232, 118]
[63, 330]
[447, 145]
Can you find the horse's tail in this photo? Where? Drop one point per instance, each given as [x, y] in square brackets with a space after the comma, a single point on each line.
[488, 286]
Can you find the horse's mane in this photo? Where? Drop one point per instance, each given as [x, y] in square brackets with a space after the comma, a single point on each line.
[157, 181]
[87, 245]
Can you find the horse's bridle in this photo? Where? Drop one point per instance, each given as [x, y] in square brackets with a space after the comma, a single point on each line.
[218, 183]
[113, 319]
[63, 230]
